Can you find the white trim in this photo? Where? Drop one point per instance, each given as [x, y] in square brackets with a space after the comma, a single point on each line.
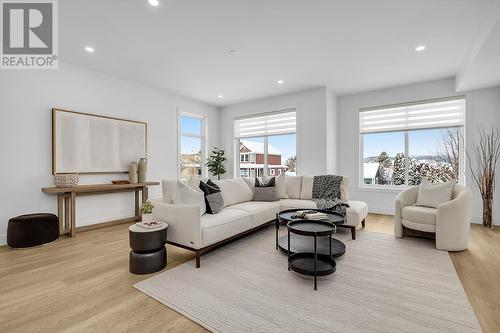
[202, 137]
[236, 159]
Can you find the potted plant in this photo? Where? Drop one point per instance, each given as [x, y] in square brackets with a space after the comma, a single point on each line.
[147, 212]
[487, 154]
[215, 162]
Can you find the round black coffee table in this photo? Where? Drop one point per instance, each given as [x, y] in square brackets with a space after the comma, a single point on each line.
[300, 243]
[311, 263]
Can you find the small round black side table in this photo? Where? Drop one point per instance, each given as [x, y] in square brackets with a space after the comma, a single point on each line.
[307, 263]
[302, 243]
[148, 254]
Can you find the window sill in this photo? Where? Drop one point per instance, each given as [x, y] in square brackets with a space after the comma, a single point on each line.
[380, 189]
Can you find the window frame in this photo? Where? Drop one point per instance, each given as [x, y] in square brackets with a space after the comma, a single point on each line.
[237, 162]
[201, 136]
[398, 188]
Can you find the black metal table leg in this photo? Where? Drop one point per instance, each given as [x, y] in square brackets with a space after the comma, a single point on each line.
[288, 248]
[277, 223]
[315, 263]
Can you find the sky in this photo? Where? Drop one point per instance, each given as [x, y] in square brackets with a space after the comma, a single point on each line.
[421, 142]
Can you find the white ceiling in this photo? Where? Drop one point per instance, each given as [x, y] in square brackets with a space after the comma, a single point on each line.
[351, 46]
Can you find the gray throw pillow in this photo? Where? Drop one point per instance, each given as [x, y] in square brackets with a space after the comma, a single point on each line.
[433, 195]
[215, 201]
[265, 194]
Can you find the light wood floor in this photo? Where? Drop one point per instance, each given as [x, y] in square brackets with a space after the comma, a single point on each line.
[83, 284]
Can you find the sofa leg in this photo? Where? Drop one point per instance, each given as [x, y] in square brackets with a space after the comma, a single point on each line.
[353, 233]
[198, 254]
[363, 223]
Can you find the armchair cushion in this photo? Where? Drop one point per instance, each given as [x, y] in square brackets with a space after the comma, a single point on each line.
[433, 195]
[423, 215]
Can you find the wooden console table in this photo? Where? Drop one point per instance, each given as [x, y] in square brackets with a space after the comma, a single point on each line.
[66, 203]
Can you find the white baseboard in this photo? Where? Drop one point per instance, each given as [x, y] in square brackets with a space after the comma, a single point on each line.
[3, 239]
[381, 210]
[479, 220]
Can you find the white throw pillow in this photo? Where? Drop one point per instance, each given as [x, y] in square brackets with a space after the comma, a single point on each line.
[306, 193]
[250, 181]
[168, 188]
[281, 186]
[344, 188]
[433, 195]
[234, 191]
[185, 195]
[293, 186]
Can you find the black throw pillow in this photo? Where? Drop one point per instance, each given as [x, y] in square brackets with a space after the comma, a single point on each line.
[270, 182]
[213, 197]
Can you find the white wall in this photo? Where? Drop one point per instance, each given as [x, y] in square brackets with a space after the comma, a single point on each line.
[311, 108]
[26, 99]
[482, 107]
[331, 133]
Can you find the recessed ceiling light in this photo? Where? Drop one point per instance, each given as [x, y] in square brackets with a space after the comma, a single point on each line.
[89, 49]
[280, 81]
[154, 3]
[420, 48]
[220, 96]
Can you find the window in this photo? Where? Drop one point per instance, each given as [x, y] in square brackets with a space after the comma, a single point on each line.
[402, 143]
[191, 146]
[266, 144]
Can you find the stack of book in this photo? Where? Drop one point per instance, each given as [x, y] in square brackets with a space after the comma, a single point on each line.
[149, 225]
[311, 215]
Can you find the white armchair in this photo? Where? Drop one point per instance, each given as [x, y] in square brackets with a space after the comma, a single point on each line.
[449, 222]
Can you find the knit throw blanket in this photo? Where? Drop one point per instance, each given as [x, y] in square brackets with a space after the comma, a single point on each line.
[326, 193]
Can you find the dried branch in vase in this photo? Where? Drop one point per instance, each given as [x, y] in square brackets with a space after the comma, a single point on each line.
[486, 153]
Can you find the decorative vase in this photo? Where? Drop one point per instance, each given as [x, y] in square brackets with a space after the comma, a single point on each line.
[66, 180]
[143, 169]
[487, 213]
[147, 218]
[132, 173]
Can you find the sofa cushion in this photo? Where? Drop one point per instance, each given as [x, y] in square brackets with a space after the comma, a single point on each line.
[306, 191]
[281, 186]
[433, 195]
[227, 223]
[356, 212]
[234, 191]
[185, 195]
[424, 215]
[261, 211]
[293, 186]
[297, 204]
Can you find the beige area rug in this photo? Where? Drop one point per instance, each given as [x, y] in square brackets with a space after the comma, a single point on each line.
[382, 284]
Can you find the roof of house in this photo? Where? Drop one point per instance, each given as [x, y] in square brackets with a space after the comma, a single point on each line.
[370, 169]
[258, 147]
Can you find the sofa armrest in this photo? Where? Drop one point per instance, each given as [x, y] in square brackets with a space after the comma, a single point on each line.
[184, 222]
[453, 222]
[406, 198]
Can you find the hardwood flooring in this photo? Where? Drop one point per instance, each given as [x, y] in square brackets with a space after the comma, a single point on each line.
[83, 284]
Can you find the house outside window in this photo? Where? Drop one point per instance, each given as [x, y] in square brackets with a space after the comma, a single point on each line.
[266, 144]
[402, 143]
[191, 146]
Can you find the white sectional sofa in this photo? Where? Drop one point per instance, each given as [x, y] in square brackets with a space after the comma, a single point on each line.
[190, 229]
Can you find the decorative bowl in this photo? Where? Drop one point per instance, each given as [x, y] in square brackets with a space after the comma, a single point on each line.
[66, 180]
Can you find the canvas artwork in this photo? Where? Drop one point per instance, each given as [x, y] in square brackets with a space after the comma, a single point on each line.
[86, 143]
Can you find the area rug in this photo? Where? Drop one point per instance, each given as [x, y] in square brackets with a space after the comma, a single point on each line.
[382, 284]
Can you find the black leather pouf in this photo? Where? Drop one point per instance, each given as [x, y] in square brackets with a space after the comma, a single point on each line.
[32, 230]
